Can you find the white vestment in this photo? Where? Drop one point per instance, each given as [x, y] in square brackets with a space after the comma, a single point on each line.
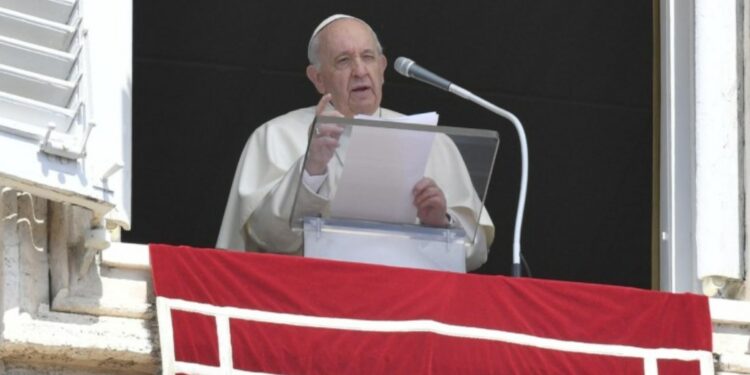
[268, 174]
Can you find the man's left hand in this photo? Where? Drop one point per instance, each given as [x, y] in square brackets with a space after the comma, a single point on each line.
[430, 203]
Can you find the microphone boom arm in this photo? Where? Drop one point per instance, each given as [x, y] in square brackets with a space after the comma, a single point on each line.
[409, 68]
[460, 91]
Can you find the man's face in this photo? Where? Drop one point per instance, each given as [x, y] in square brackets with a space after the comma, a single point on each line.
[351, 68]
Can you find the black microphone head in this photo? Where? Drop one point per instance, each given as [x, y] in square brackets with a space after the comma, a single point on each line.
[402, 65]
[409, 68]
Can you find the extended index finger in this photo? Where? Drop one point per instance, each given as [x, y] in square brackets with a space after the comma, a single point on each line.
[324, 100]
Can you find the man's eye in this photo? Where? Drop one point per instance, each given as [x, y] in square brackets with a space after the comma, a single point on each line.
[342, 61]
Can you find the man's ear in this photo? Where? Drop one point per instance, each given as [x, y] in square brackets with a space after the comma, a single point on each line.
[383, 62]
[314, 76]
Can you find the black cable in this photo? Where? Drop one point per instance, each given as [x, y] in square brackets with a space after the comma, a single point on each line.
[526, 265]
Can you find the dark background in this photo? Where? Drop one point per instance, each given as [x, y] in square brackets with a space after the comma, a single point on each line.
[577, 74]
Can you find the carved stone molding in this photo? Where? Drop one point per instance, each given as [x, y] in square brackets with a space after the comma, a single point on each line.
[101, 319]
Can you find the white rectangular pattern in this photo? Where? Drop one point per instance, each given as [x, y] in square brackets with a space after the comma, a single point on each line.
[223, 314]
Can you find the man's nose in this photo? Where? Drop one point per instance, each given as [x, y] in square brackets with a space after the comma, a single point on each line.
[359, 67]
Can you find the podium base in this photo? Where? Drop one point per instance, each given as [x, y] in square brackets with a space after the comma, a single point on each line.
[386, 244]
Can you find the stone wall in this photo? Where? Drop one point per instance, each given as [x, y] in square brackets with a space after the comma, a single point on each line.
[65, 308]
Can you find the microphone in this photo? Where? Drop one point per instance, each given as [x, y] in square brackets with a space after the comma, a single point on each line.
[407, 67]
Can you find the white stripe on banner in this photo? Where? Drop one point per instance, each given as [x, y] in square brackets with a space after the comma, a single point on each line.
[650, 366]
[423, 325]
[225, 342]
[166, 335]
[195, 368]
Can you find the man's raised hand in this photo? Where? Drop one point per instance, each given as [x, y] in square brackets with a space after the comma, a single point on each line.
[324, 140]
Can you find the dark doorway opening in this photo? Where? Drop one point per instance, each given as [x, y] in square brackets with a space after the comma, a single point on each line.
[578, 75]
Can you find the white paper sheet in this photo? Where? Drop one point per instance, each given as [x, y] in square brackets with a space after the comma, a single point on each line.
[380, 170]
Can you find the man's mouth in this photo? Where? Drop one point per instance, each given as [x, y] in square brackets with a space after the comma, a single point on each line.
[359, 89]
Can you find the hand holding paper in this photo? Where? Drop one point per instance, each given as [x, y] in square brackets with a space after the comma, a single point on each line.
[430, 203]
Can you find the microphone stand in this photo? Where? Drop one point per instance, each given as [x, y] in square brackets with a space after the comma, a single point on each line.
[460, 91]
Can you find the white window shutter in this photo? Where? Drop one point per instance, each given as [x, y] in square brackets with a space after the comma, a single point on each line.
[65, 102]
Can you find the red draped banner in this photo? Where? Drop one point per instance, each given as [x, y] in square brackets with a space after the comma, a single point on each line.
[230, 312]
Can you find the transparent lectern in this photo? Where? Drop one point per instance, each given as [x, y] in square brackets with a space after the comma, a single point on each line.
[363, 210]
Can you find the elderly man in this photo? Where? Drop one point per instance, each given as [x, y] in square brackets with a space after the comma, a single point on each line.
[347, 68]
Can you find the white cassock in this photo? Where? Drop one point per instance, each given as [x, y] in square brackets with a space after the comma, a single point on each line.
[268, 173]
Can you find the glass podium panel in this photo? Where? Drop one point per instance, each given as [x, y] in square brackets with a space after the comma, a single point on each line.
[367, 171]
